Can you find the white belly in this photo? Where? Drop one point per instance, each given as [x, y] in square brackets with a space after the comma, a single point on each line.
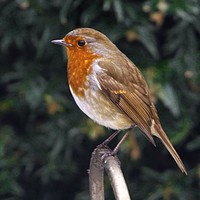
[97, 107]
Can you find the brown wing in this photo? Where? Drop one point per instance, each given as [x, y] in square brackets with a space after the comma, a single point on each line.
[128, 90]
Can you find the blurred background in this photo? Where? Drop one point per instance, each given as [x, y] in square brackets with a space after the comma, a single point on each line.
[46, 141]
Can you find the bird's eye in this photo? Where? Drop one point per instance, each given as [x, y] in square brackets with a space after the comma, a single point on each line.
[81, 43]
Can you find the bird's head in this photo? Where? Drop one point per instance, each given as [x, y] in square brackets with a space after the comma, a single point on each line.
[83, 41]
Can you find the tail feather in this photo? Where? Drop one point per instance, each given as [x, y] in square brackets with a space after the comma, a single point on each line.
[158, 132]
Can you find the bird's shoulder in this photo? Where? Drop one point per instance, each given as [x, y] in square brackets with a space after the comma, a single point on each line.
[123, 72]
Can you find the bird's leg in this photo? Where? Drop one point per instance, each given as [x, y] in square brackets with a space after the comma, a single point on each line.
[115, 150]
[109, 139]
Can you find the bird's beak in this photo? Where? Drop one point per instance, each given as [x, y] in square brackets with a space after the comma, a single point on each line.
[61, 42]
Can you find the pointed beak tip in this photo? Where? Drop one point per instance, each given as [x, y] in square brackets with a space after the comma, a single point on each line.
[59, 42]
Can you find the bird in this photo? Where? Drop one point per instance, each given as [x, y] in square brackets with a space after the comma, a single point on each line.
[109, 88]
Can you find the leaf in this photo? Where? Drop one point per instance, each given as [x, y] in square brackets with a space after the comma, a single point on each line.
[147, 37]
[169, 98]
[118, 10]
[194, 145]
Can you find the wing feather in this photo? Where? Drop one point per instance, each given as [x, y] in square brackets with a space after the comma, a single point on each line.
[129, 100]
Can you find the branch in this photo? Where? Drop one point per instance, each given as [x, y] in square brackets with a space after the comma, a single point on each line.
[101, 158]
[96, 173]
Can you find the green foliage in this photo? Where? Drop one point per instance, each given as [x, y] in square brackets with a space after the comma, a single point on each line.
[46, 142]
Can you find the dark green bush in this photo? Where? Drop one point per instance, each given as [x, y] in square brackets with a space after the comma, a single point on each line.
[45, 140]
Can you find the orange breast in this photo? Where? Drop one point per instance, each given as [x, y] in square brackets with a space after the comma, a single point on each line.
[79, 68]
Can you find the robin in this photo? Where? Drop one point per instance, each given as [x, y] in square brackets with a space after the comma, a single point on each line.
[110, 89]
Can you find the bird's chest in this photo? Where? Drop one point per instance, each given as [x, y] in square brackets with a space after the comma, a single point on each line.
[87, 93]
[93, 104]
[97, 106]
[85, 90]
